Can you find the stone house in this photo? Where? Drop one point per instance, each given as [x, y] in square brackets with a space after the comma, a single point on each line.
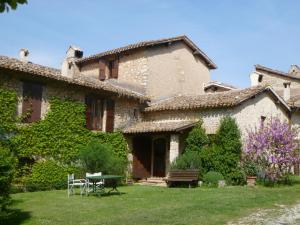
[152, 91]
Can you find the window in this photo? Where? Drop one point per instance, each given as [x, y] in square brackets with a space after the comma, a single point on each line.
[260, 77]
[262, 120]
[94, 113]
[135, 114]
[102, 70]
[32, 101]
[113, 66]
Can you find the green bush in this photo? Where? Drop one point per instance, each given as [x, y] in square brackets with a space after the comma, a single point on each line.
[212, 178]
[197, 139]
[223, 155]
[188, 160]
[48, 175]
[7, 162]
[250, 168]
[98, 157]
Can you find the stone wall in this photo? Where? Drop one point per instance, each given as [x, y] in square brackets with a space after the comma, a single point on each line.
[90, 70]
[247, 114]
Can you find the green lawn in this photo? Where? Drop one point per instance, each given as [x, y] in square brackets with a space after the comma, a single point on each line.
[148, 205]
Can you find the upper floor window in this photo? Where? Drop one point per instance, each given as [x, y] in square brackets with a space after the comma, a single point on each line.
[108, 69]
[32, 101]
[113, 68]
[94, 113]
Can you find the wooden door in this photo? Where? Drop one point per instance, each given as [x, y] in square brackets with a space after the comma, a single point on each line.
[159, 157]
[141, 157]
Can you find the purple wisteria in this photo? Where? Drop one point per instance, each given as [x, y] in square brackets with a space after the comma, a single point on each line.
[273, 146]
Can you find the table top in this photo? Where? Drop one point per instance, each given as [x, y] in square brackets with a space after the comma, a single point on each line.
[104, 177]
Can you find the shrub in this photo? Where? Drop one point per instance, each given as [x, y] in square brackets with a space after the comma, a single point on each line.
[274, 147]
[197, 139]
[98, 157]
[6, 175]
[212, 178]
[188, 160]
[223, 155]
[48, 175]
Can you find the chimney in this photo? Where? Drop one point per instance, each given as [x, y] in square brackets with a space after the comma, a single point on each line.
[286, 91]
[294, 70]
[256, 78]
[69, 67]
[23, 54]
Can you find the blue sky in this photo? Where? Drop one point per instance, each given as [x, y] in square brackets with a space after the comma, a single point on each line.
[236, 34]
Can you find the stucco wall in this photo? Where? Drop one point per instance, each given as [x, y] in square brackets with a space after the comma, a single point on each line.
[277, 81]
[173, 69]
[90, 70]
[247, 114]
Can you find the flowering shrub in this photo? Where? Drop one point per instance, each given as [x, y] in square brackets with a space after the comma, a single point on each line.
[274, 147]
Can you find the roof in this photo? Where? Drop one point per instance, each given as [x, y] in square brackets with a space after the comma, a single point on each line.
[213, 100]
[276, 72]
[219, 84]
[159, 126]
[151, 43]
[55, 74]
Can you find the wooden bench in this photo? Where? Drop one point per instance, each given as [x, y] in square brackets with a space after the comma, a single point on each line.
[186, 176]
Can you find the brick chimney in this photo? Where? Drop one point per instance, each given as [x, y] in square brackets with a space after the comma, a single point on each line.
[287, 91]
[23, 54]
[69, 67]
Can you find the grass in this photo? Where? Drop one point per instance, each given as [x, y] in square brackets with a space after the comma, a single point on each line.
[148, 205]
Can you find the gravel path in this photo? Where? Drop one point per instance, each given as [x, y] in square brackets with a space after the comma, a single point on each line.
[278, 216]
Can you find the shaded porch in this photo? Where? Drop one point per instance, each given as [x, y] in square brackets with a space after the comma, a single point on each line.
[155, 145]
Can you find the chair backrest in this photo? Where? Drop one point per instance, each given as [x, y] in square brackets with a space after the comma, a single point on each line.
[93, 174]
[70, 177]
[98, 174]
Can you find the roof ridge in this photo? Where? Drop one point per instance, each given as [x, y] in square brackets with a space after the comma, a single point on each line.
[140, 44]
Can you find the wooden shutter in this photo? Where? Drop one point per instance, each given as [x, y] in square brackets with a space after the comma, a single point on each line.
[115, 69]
[102, 70]
[32, 101]
[110, 115]
[94, 113]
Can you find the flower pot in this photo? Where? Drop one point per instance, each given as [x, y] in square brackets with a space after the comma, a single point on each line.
[251, 181]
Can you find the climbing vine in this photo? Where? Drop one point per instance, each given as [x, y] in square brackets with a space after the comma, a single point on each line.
[57, 137]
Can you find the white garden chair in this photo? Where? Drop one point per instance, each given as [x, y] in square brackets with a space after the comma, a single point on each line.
[72, 182]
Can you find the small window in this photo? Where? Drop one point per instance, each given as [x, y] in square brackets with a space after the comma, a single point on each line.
[94, 113]
[260, 78]
[32, 101]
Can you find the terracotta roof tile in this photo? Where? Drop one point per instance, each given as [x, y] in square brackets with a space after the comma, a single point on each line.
[39, 70]
[209, 100]
[183, 38]
[158, 126]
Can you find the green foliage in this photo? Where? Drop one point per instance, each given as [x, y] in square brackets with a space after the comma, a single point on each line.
[212, 178]
[48, 175]
[250, 168]
[58, 136]
[6, 4]
[228, 137]
[225, 153]
[197, 139]
[98, 157]
[7, 162]
[114, 139]
[8, 106]
[188, 160]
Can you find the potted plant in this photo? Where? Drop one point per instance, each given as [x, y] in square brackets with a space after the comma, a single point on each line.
[251, 172]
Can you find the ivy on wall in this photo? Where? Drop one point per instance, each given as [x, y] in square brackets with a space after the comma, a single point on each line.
[8, 105]
[58, 137]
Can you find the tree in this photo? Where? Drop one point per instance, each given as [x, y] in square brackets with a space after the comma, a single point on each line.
[197, 138]
[274, 147]
[12, 4]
